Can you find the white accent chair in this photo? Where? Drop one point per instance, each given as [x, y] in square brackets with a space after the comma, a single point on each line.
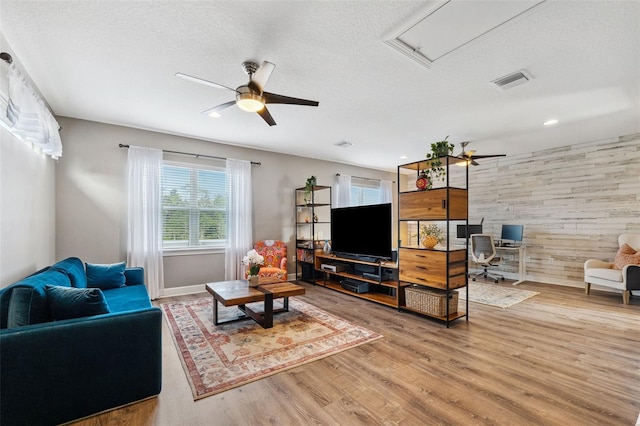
[602, 273]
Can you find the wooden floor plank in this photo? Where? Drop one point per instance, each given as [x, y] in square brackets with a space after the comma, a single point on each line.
[559, 358]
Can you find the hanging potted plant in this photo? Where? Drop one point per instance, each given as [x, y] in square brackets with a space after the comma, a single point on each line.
[436, 171]
[430, 235]
[308, 189]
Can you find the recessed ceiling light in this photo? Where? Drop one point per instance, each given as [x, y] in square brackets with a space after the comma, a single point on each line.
[550, 122]
[403, 157]
[214, 114]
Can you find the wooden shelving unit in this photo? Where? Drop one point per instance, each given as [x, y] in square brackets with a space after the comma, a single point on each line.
[313, 228]
[383, 292]
[444, 267]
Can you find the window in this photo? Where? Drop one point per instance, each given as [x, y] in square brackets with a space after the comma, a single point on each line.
[365, 191]
[194, 206]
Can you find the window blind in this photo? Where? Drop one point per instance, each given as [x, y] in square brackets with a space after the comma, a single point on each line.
[194, 206]
[365, 191]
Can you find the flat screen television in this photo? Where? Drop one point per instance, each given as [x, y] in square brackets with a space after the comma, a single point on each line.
[472, 229]
[362, 232]
[511, 233]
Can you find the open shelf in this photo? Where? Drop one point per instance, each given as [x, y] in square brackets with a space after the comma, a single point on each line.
[380, 298]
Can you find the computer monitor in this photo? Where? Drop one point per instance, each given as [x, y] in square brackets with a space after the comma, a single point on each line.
[470, 229]
[512, 233]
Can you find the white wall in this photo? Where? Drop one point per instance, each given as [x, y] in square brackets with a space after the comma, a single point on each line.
[91, 194]
[27, 201]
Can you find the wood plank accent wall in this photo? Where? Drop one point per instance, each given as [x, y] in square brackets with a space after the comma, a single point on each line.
[573, 201]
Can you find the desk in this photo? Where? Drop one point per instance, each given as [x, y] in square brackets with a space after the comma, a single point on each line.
[522, 264]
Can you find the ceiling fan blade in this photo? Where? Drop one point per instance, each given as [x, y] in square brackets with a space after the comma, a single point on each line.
[203, 81]
[473, 157]
[218, 108]
[272, 98]
[261, 76]
[264, 113]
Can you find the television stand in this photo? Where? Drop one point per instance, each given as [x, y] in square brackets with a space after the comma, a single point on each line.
[382, 284]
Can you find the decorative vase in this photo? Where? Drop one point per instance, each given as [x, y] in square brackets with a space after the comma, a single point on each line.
[429, 241]
[253, 281]
[423, 183]
[327, 247]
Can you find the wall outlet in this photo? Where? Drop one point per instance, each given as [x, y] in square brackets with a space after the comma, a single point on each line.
[551, 261]
[528, 259]
[511, 257]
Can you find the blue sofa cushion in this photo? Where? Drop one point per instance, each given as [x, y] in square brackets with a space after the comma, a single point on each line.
[69, 302]
[74, 269]
[19, 307]
[40, 311]
[105, 276]
[127, 298]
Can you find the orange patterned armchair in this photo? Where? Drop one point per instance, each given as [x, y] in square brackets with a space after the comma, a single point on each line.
[275, 259]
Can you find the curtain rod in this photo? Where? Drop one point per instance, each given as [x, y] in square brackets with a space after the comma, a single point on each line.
[365, 178]
[255, 163]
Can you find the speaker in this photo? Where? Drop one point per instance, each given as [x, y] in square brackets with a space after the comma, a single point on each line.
[394, 255]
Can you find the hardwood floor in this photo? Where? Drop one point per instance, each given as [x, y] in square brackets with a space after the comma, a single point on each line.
[559, 358]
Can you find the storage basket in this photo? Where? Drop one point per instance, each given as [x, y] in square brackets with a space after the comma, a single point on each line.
[431, 301]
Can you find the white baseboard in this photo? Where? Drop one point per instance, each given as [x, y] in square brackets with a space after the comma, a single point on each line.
[182, 291]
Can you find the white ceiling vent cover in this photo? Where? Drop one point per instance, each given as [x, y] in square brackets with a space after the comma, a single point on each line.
[512, 80]
[343, 144]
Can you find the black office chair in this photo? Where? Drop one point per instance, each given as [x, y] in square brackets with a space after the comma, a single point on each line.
[483, 252]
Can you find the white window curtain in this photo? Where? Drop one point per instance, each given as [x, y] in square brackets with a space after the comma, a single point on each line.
[239, 224]
[342, 191]
[386, 191]
[144, 240]
[29, 116]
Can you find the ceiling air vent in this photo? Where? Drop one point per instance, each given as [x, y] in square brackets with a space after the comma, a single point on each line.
[514, 79]
[343, 144]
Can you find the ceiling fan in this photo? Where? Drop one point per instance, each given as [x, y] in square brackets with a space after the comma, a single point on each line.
[470, 155]
[251, 97]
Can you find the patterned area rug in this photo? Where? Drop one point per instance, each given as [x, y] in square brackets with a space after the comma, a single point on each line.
[495, 295]
[218, 358]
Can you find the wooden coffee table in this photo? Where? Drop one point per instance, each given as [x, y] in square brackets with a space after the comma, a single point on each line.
[238, 293]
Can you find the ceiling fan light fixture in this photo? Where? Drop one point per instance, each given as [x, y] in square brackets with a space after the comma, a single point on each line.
[250, 102]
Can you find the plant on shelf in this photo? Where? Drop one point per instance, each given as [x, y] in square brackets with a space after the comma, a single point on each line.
[430, 235]
[308, 188]
[438, 149]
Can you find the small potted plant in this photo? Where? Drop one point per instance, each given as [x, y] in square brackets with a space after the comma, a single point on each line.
[253, 260]
[438, 149]
[430, 235]
[308, 188]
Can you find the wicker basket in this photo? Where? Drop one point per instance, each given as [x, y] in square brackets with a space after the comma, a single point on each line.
[431, 302]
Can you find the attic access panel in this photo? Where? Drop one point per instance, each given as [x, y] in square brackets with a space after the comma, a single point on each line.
[450, 24]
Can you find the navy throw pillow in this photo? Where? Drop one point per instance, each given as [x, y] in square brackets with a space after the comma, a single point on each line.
[105, 276]
[71, 302]
[19, 312]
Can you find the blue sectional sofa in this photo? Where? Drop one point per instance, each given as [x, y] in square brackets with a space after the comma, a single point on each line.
[72, 346]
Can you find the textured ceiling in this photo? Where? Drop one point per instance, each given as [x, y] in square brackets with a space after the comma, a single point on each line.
[114, 62]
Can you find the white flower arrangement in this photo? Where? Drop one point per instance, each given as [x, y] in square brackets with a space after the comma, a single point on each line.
[253, 260]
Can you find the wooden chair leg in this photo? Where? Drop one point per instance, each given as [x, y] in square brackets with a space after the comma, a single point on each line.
[625, 296]
[587, 287]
